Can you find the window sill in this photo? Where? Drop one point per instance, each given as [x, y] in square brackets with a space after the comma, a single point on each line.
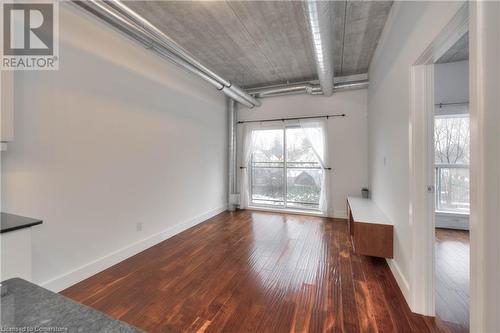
[286, 210]
[457, 214]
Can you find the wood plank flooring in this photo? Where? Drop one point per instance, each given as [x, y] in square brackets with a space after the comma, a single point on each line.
[253, 272]
[452, 279]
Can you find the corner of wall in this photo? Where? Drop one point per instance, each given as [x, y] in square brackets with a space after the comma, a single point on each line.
[81, 273]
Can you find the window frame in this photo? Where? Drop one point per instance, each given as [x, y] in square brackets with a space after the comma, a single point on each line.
[313, 208]
[440, 166]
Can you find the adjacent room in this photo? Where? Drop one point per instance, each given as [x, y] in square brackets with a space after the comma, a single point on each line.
[249, 166]
[452, 184]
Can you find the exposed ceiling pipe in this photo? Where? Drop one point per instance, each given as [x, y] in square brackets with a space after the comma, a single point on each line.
[320, 21]
[231, 135]
[165, 40]
[303, 88]
[230, 93]
[246, 96]
[132, 24]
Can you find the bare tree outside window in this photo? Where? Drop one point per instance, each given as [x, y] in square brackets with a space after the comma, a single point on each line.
[452, 146]
[452, 140]
[284, 171]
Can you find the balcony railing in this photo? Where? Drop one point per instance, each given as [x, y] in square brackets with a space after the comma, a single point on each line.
[452, 188]
[273, 184]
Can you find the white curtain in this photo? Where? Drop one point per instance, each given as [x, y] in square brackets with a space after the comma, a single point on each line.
[248, 143]
[315, 132]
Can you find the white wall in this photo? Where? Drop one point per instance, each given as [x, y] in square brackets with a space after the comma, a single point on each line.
[451, 85]
[410, 29]
[115, 137]
[451, 82]
[347, 136]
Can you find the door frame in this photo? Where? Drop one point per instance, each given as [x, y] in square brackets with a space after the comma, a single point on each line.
[421, 161]
[484, 58]
[483, 18]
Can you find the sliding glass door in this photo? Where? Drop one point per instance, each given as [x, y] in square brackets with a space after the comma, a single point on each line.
[284, 171]
[267, 177]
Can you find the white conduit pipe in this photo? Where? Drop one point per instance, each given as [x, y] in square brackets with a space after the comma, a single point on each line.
[319, 16]
[303, 88]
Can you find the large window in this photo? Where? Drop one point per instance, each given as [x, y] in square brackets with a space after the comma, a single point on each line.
[284, 171]
[452, 163]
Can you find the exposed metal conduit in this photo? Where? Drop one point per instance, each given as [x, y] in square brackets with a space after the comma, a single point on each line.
[132, 24]
[231, 119]
[303, 88]
[320, 21]
[164, 39]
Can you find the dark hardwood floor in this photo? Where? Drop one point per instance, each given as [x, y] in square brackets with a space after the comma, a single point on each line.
[452, 278]
[253, 272]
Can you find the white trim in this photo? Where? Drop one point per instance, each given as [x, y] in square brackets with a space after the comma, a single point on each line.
[452, 32]
[484, 41]
[400, 278]
[78, 274]
[337, 214]
[422, 210]
[421, 213]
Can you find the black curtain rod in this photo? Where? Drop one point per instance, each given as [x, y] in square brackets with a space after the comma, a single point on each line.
[296, 118]
[445, 104]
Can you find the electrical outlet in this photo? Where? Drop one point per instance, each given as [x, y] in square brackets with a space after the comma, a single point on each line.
[138, 227]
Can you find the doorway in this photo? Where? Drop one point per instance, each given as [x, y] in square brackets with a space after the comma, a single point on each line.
[422, 162]
[484, 194]
[451, 137]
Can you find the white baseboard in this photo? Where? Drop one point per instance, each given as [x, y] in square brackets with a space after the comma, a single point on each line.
[400, 279]
[81, 273]
[340, 214]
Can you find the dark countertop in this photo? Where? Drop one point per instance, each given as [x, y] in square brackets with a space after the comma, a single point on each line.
[11, 222]
[25, 304]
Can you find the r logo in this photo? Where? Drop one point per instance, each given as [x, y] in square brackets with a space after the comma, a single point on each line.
[30, 34]
[28, 29]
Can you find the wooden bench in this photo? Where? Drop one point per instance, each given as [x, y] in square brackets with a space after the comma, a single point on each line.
[371, 232]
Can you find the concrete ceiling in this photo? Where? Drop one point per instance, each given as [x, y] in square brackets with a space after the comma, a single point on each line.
[258, 43]
[458, 52]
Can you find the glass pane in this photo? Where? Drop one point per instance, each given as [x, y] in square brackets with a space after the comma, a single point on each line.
[303, 172]
[304, 187]
[298, 148]
[267, 186]
[451, 135]
[268, 168]
[453, 189]
[268, 146]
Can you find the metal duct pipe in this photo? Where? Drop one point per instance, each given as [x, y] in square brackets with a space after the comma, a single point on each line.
[231, 137]
[320, 21]
[133, 25]
[169, 44]
[304, 88]
[246, 96]
[301, 88]
[351, 85]
[231, 93]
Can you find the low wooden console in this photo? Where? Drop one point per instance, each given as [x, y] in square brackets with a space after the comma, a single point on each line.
[371, 232]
